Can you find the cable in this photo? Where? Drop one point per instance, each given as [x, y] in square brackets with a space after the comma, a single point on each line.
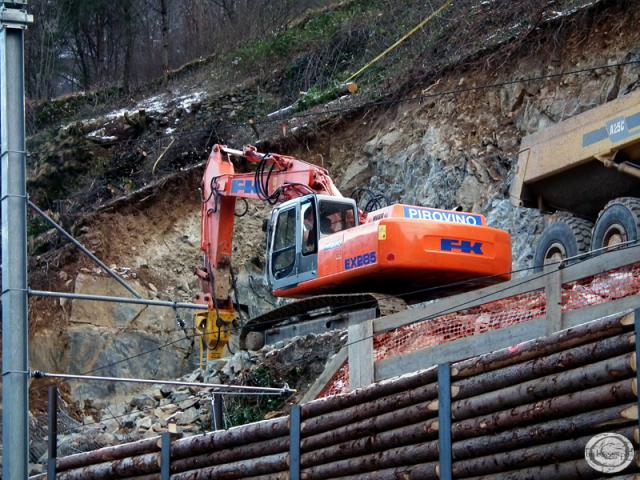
[390, 101]
[578, 259]
[455, 308]
[584, 257]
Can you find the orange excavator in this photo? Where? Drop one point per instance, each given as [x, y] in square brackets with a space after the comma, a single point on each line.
[321, 248]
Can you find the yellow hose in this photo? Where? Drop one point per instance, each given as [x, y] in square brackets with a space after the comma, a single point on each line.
[446, 5]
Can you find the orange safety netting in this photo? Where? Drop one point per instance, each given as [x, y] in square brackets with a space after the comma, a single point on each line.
[600, 288]
[338, 384]
[463, 323]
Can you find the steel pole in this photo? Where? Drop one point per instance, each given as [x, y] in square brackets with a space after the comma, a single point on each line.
[52, 440]
[13, 208]
[126, 300]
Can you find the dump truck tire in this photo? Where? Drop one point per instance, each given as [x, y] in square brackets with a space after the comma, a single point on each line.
[618, 222]
[566, 236]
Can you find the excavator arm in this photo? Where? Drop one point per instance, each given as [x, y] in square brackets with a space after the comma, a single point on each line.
[277, 178]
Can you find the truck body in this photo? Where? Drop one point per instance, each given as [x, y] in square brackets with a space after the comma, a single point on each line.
[587, 170]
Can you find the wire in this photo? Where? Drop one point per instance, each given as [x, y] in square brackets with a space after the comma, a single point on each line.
[390, 101]
[578, 259]
[582, 257]
[457, 307]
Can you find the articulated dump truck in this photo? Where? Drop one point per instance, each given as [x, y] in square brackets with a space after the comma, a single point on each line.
[586, 172]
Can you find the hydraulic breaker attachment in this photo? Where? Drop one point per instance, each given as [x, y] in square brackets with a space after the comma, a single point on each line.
[214, 331]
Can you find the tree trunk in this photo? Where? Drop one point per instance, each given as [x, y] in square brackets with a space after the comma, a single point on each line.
[559, 471]
[242, 452]
[108, 453]
[368, 393]
[130, 35]
[573, 403]
[529, 456]
[423, 471]
[580, 378]
[408, 435]
[208, 442]
[341, 417]
[258, 466]
[395, 457]
[164, 17]
[539, 367]
[369, 426]
[556, 342]
[545, 432]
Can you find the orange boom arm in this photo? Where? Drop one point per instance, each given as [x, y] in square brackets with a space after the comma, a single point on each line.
[278, 178]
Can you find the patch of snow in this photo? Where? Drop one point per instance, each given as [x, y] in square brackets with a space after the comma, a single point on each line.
[96, 133]
[116, 113]
[186, 101]
[169, 130]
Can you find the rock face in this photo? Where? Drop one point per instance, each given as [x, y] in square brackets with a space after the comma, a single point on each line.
[461, 151]
[105, 339]
[107, 421]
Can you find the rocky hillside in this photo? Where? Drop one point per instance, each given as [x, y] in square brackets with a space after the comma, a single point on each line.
[125, 177]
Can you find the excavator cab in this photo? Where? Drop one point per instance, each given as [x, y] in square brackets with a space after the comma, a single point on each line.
[294, 234]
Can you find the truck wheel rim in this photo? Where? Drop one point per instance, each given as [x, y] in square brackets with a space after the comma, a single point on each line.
[614, 235]
[555, 253]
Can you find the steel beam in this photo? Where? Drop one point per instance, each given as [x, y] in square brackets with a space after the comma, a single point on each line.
[216, 412]
[106, 298]
[637, 332]
[294, 442]
[13, 209]
[83, 249]
[52, 434]
[444, 421]
[219, 388]
[165, 456]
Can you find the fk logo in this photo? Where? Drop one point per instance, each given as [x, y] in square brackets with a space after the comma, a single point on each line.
[244, 186]
[464, 246]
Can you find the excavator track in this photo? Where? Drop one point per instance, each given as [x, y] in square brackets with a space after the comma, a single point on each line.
[315, 315]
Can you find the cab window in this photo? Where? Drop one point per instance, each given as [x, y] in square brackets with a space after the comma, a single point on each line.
[335, 217]
[309, 228]
[284, 244]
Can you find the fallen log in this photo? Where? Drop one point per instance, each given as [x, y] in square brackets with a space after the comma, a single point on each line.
[105, 454]
[386, 421]
[265, 465]
[592, 375]
[395, 457]
[631, 476]
[559, 471]
[242, 452]
[556, 342]
[252, 432]
[124, 467]
[371, 443]
[594, 398]
[475, 447]
[332, 420]
[271, 476]
[531, 456]
[424, 471]
[540, 367]
[368, 393]
[562, 428]
[150, 463]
